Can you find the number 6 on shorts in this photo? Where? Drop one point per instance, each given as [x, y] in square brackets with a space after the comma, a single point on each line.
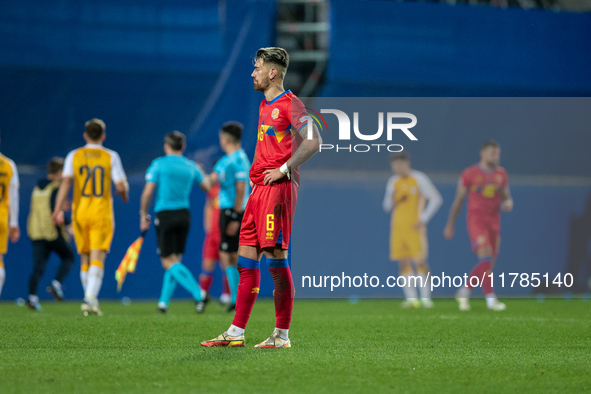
[270, 222]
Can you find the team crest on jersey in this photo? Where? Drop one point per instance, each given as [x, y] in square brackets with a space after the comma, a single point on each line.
[479, 178]
[275, 113]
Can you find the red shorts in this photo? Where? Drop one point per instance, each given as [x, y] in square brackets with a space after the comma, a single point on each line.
[484, 232]
[268, 215]
[211, 243]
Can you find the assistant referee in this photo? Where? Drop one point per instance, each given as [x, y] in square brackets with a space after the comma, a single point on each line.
[172, 177]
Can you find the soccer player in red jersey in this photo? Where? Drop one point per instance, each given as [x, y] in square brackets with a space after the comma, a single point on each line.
[487, 185]
[266, 225]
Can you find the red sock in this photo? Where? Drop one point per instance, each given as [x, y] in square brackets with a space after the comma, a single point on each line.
[482, 269]
[283, 294]
[248, 290]
[205, 281]
[225, 285]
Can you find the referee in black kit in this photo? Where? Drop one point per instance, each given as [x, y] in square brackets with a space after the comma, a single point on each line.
[45, 236]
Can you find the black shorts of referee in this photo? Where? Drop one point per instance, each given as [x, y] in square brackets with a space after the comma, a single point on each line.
[228, 243]
[172, 229]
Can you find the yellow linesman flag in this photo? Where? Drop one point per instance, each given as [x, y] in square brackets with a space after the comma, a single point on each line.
[129, 261]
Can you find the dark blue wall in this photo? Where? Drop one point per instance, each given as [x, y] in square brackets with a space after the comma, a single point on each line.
[145, 67]
[390, 48]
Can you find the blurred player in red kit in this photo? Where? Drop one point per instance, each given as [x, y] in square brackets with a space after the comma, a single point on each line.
[284, 142]
[211, 244]
[487, 185]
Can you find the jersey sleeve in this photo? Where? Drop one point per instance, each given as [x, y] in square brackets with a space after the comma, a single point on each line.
[152, 173]
[505, 179]
[465, 178]
[298, 117]
[14, 181]
[68, 171]
[430, 192]
[218, 166]
[117, 173]
[241, 174]
[14, 196]
[388, 203]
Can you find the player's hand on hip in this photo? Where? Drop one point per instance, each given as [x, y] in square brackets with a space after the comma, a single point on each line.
[14, 233]
[507, 205]
[449, 231]
[58, 218]
[232, 228]
[272, 176]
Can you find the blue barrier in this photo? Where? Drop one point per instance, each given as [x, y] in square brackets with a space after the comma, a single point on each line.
[389, 48]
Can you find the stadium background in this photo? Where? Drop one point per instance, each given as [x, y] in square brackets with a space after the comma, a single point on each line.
[148, 67]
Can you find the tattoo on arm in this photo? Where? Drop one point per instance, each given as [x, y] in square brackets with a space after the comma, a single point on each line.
[307, 148]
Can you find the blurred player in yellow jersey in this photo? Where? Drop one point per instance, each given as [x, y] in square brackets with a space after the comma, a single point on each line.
[9, 204]
[413, 200]
[92, 168]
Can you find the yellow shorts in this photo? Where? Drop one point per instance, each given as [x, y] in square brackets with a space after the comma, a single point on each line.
[3, 232]
[93, 234]
[408, 243]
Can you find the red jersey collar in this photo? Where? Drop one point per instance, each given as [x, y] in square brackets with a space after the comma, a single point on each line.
[277, 98]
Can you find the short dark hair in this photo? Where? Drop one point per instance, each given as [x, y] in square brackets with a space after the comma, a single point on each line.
[489, 144]
[176, 140]
[275, 55]
[234, 130]
[400, 156]
[55, 165]
[95, 128]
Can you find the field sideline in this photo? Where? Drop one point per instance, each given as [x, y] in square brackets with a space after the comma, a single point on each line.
[371, 346]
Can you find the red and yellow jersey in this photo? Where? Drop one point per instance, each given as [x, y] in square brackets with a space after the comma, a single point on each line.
[280, 120]
[8, 180]
[484, 190]
[411, 198]
[93, 168]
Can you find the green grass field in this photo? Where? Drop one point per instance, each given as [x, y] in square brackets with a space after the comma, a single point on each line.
[371, 346]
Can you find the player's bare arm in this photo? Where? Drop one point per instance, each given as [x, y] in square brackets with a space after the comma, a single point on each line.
[456, 207]
[58, 215]
[146, 198]
[122, 188]
[506, 200]
[305, 151]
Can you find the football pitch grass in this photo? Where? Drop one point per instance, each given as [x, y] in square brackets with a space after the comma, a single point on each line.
[371, 346]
